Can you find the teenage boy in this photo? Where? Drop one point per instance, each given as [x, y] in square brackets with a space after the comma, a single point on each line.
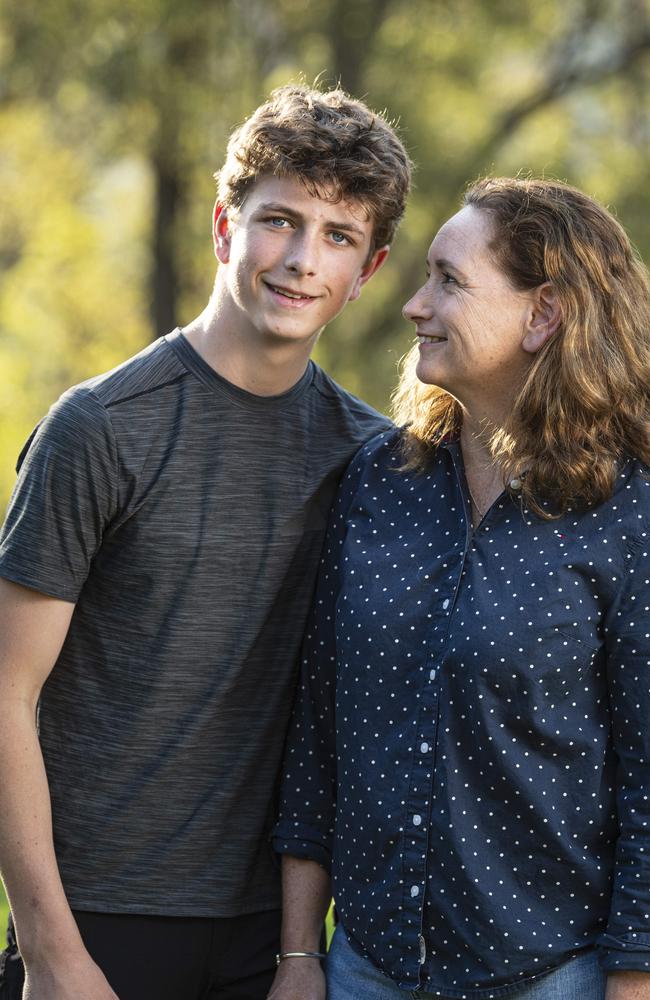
[157, 562]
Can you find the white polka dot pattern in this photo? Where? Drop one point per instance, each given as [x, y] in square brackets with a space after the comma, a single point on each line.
[470, 746]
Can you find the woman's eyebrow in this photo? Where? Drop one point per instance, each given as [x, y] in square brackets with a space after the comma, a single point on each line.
[446, 265]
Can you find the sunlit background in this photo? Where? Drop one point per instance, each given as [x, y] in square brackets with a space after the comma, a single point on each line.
[114, 116]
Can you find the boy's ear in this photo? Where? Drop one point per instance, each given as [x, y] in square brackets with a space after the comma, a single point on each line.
[368, 270]
[221, 233]
[544, 318]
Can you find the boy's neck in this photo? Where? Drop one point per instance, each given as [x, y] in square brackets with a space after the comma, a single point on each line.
[259, 365]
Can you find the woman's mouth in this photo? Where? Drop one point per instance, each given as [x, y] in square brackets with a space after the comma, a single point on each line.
[422, 339]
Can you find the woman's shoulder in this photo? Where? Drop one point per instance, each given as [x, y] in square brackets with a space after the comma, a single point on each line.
[384, 448]
[633, 486]
[627, 511]
[379, 453]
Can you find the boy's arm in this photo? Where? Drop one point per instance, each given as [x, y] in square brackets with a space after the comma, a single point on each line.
[32, 630]
[306, 896]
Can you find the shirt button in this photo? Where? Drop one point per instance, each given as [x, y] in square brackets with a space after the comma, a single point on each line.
[445, 604]
[424, 747]
[415, 890]
[432, 675]
[417, 820]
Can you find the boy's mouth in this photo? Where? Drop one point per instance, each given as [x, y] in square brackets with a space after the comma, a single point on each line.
[289, 293]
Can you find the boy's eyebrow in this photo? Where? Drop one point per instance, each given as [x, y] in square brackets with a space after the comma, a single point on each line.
[274, 206]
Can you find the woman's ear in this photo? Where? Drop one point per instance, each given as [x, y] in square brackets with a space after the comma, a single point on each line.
[544, 318]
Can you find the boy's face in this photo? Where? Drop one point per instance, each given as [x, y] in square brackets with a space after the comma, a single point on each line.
[291, 260]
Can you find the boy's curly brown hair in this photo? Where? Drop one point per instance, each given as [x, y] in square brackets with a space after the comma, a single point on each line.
[335, 145]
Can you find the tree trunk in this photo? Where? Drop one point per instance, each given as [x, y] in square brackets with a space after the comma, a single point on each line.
[164, 278]
[351, 29]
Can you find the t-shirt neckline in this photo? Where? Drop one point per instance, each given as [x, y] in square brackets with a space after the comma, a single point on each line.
[199, 367]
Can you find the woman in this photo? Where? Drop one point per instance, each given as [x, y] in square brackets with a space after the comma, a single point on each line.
[470, 749]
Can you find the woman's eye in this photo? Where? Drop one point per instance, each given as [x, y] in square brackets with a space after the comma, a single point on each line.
[448, 279]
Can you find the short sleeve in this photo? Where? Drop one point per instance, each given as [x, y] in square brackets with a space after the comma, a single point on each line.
[64, 498]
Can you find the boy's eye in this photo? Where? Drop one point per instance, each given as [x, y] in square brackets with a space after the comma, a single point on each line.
[340, 238]
[278, 221]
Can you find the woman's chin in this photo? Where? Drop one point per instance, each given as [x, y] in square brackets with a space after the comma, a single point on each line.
[428, 373]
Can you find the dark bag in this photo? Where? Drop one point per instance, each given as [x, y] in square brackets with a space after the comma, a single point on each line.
[12, 973]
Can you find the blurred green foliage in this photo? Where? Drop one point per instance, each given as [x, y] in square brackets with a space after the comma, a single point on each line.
[116, 116]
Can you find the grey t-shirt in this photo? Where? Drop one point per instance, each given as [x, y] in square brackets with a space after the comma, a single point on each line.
[185, 518]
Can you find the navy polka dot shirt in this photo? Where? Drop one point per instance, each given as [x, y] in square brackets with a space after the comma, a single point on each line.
[470, 747]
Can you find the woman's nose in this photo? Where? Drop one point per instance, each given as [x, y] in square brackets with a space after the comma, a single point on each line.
[416, 308]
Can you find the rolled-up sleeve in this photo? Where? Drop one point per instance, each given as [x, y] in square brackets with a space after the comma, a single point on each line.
[625, 945]
[305, 828]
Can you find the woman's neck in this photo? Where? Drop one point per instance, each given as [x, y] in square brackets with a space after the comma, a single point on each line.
[484, 477]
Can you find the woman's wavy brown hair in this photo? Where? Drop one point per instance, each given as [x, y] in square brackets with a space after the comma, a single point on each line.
[585, 403]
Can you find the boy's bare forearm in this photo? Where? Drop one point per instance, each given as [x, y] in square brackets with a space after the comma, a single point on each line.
[57, 965]
[44, 923]
[33, 628]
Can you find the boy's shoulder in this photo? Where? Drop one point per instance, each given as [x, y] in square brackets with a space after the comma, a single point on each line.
[82, 415]
[153, 368]
[349, 406]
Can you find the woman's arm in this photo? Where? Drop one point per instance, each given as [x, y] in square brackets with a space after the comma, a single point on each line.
[305, 898]
[625, 946]
[628, 986]
[305, 830]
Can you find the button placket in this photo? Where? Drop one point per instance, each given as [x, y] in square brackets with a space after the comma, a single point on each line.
[417, 807]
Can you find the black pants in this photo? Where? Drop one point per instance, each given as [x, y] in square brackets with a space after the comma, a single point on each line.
[176, 958]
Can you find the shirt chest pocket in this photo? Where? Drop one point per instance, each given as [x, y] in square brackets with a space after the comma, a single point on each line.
[543, 673]
[539, 645]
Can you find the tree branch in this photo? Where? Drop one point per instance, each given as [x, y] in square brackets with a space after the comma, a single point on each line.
[562, 81]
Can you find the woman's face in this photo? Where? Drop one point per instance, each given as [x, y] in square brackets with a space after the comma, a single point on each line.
[472, 325]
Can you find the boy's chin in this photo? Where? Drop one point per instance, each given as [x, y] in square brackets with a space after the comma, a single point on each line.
[287, 336]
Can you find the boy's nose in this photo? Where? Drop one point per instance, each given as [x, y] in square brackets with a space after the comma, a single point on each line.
[302, 255]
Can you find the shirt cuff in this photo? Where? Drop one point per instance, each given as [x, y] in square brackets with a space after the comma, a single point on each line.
[48, 587]
[302, 841]
[628, 953]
